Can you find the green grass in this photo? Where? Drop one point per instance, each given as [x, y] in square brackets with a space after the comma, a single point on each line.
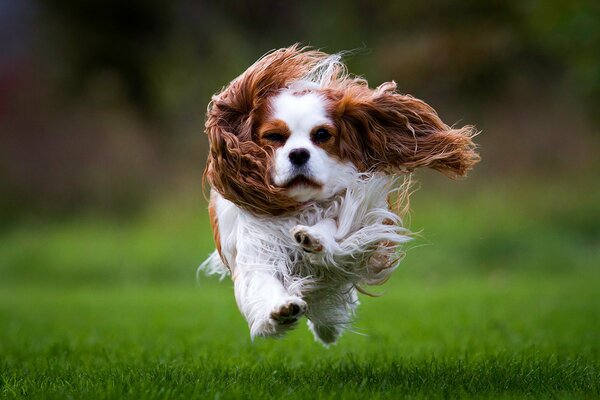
[498, 298]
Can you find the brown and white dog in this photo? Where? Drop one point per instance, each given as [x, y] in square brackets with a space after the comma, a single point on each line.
[302, 163]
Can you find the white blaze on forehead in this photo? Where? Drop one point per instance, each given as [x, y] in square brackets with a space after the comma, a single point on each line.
[301, 113]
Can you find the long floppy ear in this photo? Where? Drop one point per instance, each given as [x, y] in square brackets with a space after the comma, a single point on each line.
[386, 131]
[237, 167]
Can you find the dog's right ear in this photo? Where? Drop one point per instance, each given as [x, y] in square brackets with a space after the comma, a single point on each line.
[237, 167]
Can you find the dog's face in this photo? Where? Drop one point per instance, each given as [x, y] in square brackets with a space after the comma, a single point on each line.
[295, 127]
[306, 160]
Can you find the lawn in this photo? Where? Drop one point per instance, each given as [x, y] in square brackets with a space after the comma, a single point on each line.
[499, 296]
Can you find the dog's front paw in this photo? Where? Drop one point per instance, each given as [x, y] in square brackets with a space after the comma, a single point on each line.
[280, 319]
[289, 312]
[306, 239]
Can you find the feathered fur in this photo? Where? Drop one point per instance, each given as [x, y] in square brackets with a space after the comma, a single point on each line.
[289, 257]
[367, 240]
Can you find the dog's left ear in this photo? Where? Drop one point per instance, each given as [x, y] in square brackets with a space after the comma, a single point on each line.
[237, 167]
[386, 131]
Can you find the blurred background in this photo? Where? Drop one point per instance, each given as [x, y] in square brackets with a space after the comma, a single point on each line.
[102, 108]
[103, 219]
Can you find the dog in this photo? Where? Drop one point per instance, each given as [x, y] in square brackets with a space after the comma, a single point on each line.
[303, 164]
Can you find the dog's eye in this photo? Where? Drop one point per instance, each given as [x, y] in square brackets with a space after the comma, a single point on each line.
[274, 137]
[322, 135]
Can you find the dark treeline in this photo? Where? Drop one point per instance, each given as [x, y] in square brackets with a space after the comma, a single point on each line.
[102, 102]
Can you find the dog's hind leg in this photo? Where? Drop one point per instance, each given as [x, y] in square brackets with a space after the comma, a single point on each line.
[330, 312]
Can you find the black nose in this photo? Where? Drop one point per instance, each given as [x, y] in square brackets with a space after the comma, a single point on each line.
[299, 156]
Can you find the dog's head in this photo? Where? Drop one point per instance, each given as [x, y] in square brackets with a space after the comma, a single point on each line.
[295, 127]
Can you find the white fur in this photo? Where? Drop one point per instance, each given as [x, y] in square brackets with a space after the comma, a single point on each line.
[303, 113]
[323, 73]
[271, 270]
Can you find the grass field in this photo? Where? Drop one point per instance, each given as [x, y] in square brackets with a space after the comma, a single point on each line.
[498, 297]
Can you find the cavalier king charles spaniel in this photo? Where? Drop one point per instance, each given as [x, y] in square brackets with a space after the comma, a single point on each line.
[304, 164]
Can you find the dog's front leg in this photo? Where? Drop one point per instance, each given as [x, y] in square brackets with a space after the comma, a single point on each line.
[319, 238]
[267, 306]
